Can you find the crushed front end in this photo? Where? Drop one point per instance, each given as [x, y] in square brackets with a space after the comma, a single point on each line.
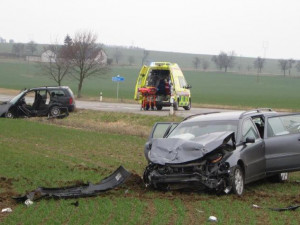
[208, 171]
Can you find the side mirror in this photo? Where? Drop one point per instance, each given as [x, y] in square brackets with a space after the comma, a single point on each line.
[250, 140]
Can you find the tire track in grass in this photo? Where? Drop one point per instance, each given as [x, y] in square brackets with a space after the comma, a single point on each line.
[52, 207]
[163, 209]
[137, 212]
[150, 213]
[174, 215]
[180, 211]
[190, 212]
[104, 207]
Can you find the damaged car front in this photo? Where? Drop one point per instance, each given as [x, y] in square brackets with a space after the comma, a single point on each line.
[194, 155]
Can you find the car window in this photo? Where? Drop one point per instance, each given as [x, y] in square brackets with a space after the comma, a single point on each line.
[160, 129]
[182, 82]
[283, 125]
[248, 130]
[57, 93]
[190, 130]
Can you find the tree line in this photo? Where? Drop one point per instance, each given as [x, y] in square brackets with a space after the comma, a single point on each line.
[225, 61]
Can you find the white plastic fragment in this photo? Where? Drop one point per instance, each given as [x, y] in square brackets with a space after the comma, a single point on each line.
[256, 206]
[6, 210]
[28, 202]
[126, 192]
[213, 219]
[200, 211]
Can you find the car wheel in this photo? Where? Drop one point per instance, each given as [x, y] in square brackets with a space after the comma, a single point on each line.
[54, 111]
[238, 181]
[9, 115]
[159, 107]
[189, 106]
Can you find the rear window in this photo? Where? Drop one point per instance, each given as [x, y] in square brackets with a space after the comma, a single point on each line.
[57, 93]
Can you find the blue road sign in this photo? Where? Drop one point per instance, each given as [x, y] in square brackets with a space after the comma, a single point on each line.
[118, 79]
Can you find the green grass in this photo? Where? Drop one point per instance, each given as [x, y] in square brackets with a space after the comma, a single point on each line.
[212, 88]
[41, 152]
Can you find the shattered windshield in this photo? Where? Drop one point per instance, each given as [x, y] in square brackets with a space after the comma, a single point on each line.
[16, 98]
[190, 130]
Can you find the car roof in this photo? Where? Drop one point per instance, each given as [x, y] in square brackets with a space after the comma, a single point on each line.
[44, 88]
[232, 115]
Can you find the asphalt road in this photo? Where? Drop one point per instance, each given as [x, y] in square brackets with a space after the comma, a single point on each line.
[131, 108]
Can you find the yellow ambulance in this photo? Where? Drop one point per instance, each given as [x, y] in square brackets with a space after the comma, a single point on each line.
[169, 84]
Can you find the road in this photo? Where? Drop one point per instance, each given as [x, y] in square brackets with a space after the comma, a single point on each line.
[131, 108]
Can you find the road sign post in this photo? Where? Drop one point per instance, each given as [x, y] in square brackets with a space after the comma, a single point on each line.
[118, 79]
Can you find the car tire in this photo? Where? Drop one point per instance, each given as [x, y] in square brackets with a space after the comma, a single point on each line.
[238, 181]
[189, 106]
[54, 111]
[159, 107]
[280, 178]
[9, 115]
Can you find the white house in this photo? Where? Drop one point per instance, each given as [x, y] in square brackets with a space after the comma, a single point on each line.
[48, 56]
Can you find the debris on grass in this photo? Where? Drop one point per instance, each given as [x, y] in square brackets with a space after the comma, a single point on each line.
[212, 219]
[199, 211]
[86, 190]
[6, 210]
[256, 206]
[289, 208]
[76, 204]
[28, 202]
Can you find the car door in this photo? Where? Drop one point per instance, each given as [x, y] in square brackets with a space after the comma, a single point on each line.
[282, 143]
[140, 81]
[252, 154]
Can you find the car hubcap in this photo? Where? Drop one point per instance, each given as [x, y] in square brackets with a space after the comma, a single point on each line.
[9, 115]
[284, 176]
[55, 112]
[239, 183]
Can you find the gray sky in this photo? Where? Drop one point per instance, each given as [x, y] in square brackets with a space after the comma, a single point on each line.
[191, 26]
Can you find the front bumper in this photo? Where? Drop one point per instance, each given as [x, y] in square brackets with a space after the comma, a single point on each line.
[187, 180]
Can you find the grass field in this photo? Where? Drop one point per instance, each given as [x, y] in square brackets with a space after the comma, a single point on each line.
[213, 88]
[87, 146]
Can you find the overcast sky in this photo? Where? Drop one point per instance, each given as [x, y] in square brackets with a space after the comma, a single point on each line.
[193, 26]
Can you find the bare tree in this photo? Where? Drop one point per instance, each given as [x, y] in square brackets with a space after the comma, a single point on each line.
[290, 65]
[224, 60]
[298, 66]
[196, 62]
[205, 64]
[118, 55]
[258, 64]
[145, 56]
[59, 63]
[131, 60]
[86, 58]
[18, 49]
[284, 65]
[31, 47]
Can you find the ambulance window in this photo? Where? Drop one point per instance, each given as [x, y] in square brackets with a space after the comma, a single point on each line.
[182, 82]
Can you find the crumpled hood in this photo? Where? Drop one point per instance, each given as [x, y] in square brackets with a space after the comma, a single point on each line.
[4, 107]
[176, 150]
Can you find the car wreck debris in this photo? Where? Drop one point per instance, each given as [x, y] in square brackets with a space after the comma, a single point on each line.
[213, 219]
[28, 202]
[86, 190]
[289, 208]
[6, 210]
